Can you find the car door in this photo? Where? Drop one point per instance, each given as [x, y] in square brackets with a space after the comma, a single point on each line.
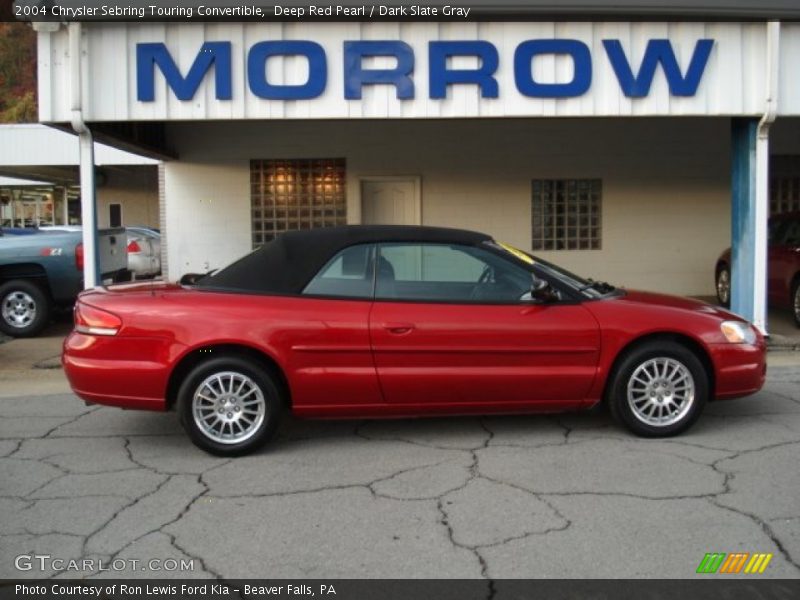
[331, 363]
[777, 231]
[448, 327]
[784, 257]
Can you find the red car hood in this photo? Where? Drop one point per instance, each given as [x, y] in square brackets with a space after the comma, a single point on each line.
[679, 302]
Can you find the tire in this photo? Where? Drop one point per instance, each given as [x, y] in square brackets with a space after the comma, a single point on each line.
[723, 285]
[24, 308]
[795, 301]
[640, 402]
[243, 399]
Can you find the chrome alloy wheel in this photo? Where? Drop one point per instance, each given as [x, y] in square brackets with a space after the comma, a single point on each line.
[661, 391]
[228, 407]
[19, 309]
[724, 286]
[796, 303]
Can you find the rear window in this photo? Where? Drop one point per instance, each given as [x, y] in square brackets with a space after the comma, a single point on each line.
[348, 274]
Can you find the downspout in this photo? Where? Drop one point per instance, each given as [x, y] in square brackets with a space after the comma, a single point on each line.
[762, 176]
[86, 143]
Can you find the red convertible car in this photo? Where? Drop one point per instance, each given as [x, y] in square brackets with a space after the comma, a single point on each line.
[391, 321]
[783, 266]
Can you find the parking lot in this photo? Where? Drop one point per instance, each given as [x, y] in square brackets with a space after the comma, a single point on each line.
[540, 496]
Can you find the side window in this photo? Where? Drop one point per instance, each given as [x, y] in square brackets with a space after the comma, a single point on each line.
[777, 231]
[448, 273]
[349, 274]
[432, 262]
[115, 215]
[792, 236]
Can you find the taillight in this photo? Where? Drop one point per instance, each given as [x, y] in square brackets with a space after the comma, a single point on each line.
[134, 247]
[79, 256]
[94, 321]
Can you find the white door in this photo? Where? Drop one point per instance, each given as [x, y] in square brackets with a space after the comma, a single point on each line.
[390, 202]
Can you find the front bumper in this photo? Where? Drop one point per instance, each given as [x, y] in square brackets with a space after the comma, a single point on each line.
[740, 369]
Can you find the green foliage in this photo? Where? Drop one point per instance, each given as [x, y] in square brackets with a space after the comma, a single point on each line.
[17, 73]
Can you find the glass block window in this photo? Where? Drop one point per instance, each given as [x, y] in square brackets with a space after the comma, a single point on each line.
[287, 195]
[566, 214]
[784, 195]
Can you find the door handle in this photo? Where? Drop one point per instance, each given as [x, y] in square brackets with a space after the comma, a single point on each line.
[398, 328]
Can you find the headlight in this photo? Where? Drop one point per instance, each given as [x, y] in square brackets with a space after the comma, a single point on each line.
[737, 332]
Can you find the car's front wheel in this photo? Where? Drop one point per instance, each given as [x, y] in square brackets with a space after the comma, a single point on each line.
[796, 301]
[229, 406]
[658, 389]
[723, 285]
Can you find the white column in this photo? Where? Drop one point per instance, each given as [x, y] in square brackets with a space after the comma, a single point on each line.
[88, 210]
[65, 208]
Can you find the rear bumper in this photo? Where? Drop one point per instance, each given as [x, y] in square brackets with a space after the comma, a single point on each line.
[741, 369]
[110, 371]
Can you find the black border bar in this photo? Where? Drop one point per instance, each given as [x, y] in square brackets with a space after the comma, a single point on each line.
[400, 10]
[704, 587]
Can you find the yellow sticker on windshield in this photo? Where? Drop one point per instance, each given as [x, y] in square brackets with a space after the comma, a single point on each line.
[518, 253]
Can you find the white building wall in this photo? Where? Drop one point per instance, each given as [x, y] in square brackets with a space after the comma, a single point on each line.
[733, 82]
[207, 214]
[136, 189]
[26, 144]
[666, 194]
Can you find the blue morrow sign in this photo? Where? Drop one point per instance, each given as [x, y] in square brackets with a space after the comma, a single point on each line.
[634, 81]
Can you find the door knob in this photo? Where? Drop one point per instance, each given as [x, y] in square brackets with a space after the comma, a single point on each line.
[398, 328]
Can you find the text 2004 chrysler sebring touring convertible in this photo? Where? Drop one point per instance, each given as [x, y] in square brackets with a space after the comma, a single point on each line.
[401, 321]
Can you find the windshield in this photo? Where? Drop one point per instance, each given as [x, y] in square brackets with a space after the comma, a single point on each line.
[588, 287]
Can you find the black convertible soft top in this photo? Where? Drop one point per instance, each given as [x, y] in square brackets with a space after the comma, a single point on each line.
[286, 264]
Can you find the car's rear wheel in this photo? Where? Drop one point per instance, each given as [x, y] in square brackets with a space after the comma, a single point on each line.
[796, 301]
[24, 308]
[724, 285]
[658, 389]
[229, 406]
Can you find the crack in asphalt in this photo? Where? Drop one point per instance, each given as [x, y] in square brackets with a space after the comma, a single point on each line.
[473, 470]
[69, 422]
[444, 516]
[169, 477]
[729, 476]
[484, 567]
[119, 511]
[15, 450]
[567, 429]
[173, 538]
[765, 527]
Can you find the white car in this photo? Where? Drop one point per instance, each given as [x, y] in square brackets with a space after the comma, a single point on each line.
[144, 252]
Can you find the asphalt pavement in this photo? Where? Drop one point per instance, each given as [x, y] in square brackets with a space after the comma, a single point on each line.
[568, 495]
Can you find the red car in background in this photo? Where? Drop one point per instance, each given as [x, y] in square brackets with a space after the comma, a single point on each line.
[390, 321]
[783, 266]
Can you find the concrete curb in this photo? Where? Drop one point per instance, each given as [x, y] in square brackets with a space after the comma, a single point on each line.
[782, 343]
[53, 362]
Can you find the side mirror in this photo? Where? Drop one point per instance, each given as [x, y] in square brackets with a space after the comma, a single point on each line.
[191, 278]
[542, 292]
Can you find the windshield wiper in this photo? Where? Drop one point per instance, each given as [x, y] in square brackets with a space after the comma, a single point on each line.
[601, 286]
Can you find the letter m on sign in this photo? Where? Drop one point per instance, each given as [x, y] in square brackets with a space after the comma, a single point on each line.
[150, 56]
[711, 562]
